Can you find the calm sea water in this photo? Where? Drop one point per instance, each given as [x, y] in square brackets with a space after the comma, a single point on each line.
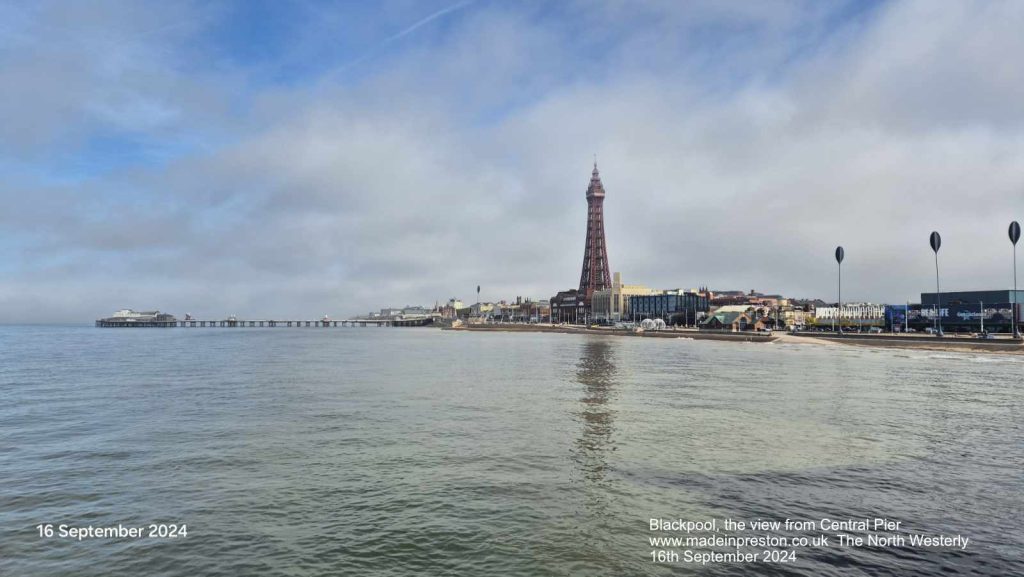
[422, 452]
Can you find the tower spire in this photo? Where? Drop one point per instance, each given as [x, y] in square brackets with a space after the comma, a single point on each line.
[596, 188]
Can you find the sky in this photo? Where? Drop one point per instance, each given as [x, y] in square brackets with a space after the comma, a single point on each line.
[279, 159]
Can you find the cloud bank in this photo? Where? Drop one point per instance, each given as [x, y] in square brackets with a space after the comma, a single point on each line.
[217, 160]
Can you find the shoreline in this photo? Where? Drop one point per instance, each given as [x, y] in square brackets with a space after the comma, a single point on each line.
[664, 334]
[1000, 347]
[949, 344]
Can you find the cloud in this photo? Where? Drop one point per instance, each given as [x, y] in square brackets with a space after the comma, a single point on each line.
[739, 145]
[70, 73]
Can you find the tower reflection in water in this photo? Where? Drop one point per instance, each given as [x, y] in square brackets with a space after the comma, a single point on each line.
[596, 371]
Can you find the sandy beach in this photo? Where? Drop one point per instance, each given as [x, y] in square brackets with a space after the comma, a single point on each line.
[948, 344]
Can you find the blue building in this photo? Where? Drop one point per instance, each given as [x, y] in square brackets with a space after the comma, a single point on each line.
[966, 310]
[994, 317]
[896, 317]
[674, 307]
[973, 298]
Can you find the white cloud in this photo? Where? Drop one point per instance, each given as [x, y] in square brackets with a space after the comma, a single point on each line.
[738, 161]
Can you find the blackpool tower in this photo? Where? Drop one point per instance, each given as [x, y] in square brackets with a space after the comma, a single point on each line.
[595, 275]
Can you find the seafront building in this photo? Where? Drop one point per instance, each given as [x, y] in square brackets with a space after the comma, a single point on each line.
[726, 298]
[735, 318]
[955, 318]
[140, 316]
[675, 307]
[480, 309]
[794, 317]
[990, 311]
[609, 305]
[568, 307]
[449, 310]
[131, 318]
[523, 310]
[970, 298]
[851, 314]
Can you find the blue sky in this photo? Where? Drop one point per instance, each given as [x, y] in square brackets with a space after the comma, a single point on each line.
[303, 158]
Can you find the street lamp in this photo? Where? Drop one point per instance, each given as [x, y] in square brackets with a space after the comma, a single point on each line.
[936, 241]
[1014, 237]
[840, 254]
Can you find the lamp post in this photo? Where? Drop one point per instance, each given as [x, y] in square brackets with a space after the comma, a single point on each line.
[1014, 237]
[936, 241]
[840, 254]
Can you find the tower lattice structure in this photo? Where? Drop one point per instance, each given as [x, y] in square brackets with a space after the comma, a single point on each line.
[595, 275]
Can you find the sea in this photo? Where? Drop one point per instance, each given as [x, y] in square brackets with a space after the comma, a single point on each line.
[418, 451]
